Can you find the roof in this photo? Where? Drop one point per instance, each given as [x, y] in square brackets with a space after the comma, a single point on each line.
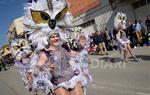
[78, 7]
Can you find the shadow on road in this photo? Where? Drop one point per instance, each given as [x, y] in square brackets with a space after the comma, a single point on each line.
[142, 57]
[109, 59]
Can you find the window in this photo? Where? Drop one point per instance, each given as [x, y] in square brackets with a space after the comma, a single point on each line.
[88, 23]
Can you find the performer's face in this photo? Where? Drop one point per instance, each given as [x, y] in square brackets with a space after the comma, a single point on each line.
[55, 40]
[82, 40]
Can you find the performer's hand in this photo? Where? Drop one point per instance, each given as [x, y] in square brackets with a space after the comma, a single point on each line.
[29, 77]
[52, 66]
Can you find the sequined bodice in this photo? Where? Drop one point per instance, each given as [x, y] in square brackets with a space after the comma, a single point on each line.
[124, 37]
[63, 70]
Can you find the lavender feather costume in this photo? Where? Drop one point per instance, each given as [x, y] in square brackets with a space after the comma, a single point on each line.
[39, 31]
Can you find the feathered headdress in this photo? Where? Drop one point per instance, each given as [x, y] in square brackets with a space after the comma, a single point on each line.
[42, 17]
[120, 20]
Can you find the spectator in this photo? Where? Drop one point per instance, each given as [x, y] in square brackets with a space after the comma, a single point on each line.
[147, 23]
[137, 30]
[148, 39]
[92, 49]
[131, 35]
[106, 38]
[2, 64]
[96, 38]
[106, 35]
[110, 41]
[110, 33]
[143, 34]
[90, 38]
[102, 46]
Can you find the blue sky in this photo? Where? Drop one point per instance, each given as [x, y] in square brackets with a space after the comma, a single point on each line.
[10, 9]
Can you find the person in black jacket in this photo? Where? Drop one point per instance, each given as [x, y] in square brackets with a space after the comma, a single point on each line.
[147, 23]
[2, 64]
[131, 35]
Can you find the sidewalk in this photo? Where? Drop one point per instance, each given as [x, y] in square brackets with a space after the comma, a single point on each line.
[134, 79]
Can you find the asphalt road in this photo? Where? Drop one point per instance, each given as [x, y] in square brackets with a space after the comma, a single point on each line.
[110, 74]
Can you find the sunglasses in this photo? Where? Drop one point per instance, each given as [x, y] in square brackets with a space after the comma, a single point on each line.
[43, 17]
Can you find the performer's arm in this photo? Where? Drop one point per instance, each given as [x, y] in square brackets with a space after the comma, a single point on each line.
[118, 36]
[41, 61]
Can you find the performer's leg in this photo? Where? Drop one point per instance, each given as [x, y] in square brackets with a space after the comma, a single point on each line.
[87, 74]
[78, 90]
[100, 48]
[130, 51]
[35, 92]
[129, 48]
[61, 91]
[125, 55]
[104, 46]
[30, 81]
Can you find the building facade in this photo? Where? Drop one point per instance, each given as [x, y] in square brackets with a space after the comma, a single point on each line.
[16, 28]
[101, 13]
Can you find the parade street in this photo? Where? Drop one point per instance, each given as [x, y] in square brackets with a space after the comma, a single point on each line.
[110, 74]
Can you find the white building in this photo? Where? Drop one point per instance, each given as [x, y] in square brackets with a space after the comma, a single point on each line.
[102, 15]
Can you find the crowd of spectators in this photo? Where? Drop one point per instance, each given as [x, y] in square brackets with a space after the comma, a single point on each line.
[104, 40]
